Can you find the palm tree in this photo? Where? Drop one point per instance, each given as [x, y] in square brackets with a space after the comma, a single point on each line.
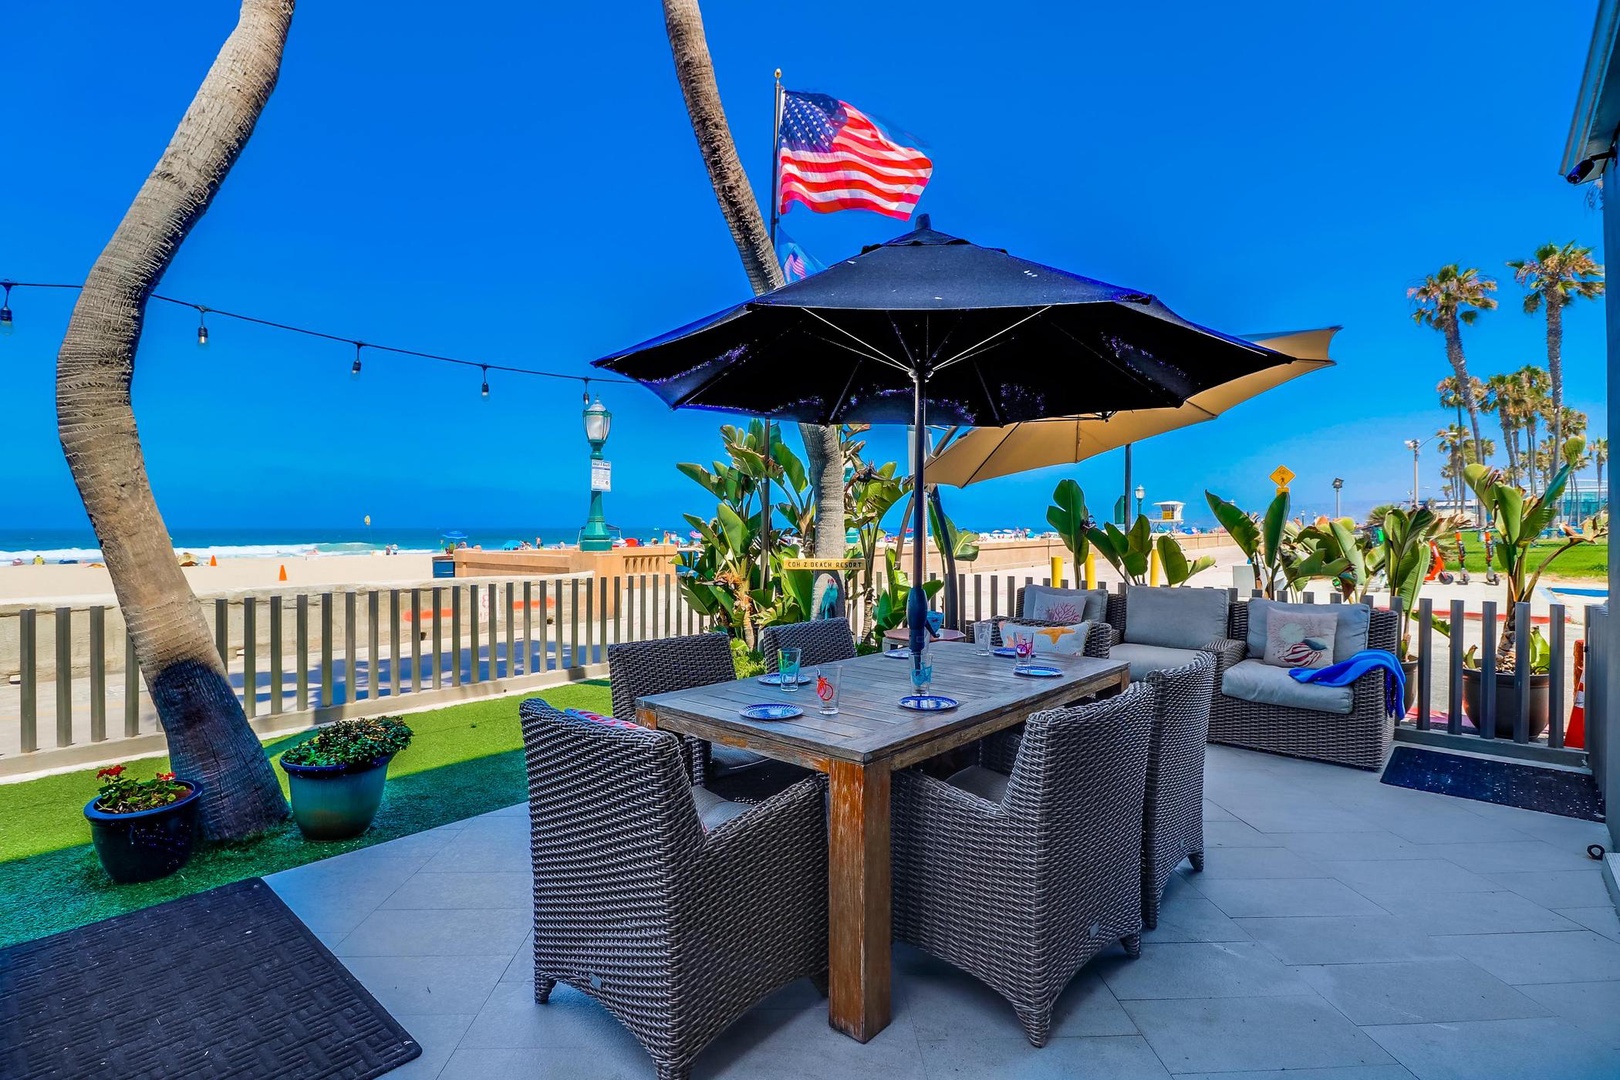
[1447, 301]
[1451, 399]
[694, 70]
[208, 735]
[1533, 402]
[1600, 458]
[1508, 395]
[1554, 277]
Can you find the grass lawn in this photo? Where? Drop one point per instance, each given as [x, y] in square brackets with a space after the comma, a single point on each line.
[1584, 562]
[465, 760]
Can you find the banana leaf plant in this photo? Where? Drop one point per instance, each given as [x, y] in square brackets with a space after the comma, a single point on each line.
[1174, 561]
[1068, 515]
[1518, 519]
[1127, 552]
[889, 611]
[1335, 552]
[1269, 541]
[1404, 557]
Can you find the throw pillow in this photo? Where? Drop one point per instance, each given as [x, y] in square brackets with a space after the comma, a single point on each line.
[598, 718]
[1300, 639]
[1051, 640]
[1044, 603]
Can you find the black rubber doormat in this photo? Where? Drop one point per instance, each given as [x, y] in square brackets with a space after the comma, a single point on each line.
[1510, 783]
[225, 983]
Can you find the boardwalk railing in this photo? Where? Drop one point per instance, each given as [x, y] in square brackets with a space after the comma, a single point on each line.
[73, 695]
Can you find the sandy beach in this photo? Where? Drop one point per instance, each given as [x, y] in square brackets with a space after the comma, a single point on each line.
[55, 583]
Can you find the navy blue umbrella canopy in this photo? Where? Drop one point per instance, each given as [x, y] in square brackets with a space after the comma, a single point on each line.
[992, 338]
[929, 328]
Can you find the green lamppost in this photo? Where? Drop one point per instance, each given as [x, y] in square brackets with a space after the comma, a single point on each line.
[598, 422]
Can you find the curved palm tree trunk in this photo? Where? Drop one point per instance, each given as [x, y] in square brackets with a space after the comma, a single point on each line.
[1465, 391]
[694, 69]
[209, 737]
[1555, 365]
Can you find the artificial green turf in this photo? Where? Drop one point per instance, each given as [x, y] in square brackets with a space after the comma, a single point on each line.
[464, 760]
[1582, 562]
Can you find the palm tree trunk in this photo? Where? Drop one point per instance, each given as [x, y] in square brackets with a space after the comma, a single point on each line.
[1555, 365]
[694, 70]
[1506, 417]
[1465, 391]
[208, 735]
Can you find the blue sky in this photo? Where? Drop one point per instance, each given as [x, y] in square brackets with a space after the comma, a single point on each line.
[519, 184]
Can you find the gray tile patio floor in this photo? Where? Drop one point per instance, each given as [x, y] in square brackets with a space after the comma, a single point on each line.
[1342, 930]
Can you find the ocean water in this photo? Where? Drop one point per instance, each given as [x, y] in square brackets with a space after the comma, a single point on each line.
[80, 545]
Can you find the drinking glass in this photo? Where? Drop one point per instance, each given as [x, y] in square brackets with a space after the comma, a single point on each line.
[983, 632]
[922, 675]
[787, 665]
[828, 678]
[1023, 646]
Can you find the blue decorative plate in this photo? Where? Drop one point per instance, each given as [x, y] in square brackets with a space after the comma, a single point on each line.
[773, 710]
[901, 653]
[1038, 671]
[928, 702]
[1004, 650]
[775, 679]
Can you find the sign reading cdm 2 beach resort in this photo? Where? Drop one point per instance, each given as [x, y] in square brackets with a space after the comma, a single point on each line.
[601, 476]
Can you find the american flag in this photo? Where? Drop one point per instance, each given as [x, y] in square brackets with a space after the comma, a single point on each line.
[833, 157]
[797, 264]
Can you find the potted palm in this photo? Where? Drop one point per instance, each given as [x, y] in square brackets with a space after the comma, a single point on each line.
[336, 778]
[143, 829]
[1518, 519]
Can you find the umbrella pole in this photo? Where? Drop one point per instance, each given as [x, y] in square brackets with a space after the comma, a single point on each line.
[917, 601]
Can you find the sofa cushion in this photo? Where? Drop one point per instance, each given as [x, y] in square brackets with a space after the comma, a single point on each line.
[978, 780]
[1348, 639]
[1050, 639]
[714, 811]
[1255, 680]
[1147, 658]
[1177, 618]
[1045, 603]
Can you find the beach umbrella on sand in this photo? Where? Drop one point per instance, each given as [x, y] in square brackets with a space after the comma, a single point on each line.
[931, 328]
[988, 452]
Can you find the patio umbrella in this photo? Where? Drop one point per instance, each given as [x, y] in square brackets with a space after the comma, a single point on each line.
[931, 324]
[988, 452]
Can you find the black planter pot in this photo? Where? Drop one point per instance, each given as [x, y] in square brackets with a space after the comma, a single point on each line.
[336, 802]
[1507, 702]
[148, 844]
[1409, 668]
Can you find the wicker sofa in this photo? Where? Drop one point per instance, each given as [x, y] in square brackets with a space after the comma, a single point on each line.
[676, 912]
[1019, 875]
[1349, 727]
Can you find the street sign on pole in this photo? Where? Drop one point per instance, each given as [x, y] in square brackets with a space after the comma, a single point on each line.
[601, 476]
[1282, 477]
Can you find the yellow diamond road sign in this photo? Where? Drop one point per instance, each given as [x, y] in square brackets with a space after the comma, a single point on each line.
[1282, 477]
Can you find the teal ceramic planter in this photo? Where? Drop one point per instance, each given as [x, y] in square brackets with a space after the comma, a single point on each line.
[147, 844]
[336, 802]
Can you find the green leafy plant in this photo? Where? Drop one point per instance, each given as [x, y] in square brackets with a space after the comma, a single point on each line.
[1174, 561]
[889, 610]
[1068, 515]
[1517, 519]
[1405, 556]
[1127, 552]
[1332, 551]
[1267, 540]
[747, 662]
[351, 742]
[120, 794]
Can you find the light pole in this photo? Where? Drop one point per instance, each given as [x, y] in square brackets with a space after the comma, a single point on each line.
[1338, 486]
[1141, 493]
[598, 422]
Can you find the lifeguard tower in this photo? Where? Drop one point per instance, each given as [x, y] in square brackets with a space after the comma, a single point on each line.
[1168, 517]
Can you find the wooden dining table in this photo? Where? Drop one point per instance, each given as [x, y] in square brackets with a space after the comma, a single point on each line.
[858, 748]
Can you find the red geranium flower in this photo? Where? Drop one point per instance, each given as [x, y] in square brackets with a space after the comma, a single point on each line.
[165, 776]
[110, 772]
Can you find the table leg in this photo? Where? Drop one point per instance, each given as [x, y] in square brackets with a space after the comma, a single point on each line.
[858, 941]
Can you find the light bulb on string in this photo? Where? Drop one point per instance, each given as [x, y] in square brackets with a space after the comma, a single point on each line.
[202, 325]
[484, 391]
[354, 372]
[5, 310]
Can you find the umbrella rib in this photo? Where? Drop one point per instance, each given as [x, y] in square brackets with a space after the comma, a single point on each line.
[973, 350]
[872, 352]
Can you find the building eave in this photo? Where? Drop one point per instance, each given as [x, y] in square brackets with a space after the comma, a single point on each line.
[1597, 107]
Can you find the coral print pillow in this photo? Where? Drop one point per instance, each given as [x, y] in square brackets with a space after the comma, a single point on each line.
[1300, 640]
[1051, 640]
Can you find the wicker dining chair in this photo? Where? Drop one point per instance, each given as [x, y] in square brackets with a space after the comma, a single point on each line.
[639, 668]
[824, 641]
[1173, 821]
[1020, 878]
[675, 931]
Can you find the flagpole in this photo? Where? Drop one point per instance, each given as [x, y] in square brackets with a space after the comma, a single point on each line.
[765, 509]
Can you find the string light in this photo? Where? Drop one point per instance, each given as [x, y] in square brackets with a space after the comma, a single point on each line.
[354, 370]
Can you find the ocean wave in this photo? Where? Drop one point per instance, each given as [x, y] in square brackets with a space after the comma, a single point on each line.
[203, 552]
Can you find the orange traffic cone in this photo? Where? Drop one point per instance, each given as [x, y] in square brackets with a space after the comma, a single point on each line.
[283, 574]
[213, 561]
[1575, 730]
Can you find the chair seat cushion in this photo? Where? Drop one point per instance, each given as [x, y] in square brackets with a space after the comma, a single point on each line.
[1148, 658]
[1178, 618]
[714, 811]
[1257, 681]
[730, 759]
[980, 781]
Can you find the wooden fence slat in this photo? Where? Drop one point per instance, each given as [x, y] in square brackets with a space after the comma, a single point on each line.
[1521, 671]
[416, 641]
[351, 647]
[435, 658]
[473, 593]
[250, 656]
[1425, 658]
[1555, 681]
[277, 669]
[395, 665]
[494, 637]
[1455, 648]
[64, 676]
[545, 622]
[455, 635]
[1486, 720]
[222, 630]
[373, 644]
[28, 660]
[132, 689]
[301, 650]
[98, 674]
[528, 629]
[602, 613]
[326, 650]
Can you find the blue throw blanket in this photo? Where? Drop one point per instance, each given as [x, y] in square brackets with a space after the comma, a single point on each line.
[1348, 671]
